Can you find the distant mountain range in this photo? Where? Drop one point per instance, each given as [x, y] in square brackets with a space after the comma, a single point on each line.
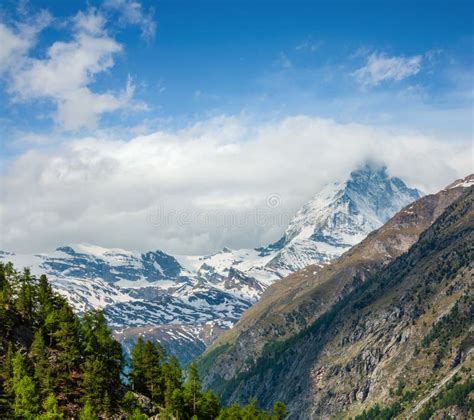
[187, 301]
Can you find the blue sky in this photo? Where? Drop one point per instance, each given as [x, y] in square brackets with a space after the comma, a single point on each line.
[264, 57]
[146, 100]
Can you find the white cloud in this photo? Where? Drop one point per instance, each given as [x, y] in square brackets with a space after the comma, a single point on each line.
[120, 193]
[16, 41]
[13, 45]
[132, 12]
[380, 68]
[283, 61]
[64, 76]
[90, 22]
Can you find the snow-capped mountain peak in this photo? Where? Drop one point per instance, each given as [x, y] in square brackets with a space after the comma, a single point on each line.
[340, 216]
[343, 213]
[313, 213]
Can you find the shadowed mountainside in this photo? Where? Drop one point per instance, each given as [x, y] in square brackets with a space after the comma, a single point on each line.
[278, 348]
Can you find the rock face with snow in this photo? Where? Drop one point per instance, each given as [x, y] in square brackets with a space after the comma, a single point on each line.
[194, 294]
[137, 291]
[339, 217]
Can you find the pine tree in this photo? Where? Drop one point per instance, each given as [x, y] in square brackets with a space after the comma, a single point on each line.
[88, 412]
[177, 406]
[26, 403]
[46, 300]
[279, 411]
[249, 411]
[208, 406]
[7, 370]
[137, 415]
[25, 301]
[6, 300]
[42, 369]
[137, 367]
[192, 389]
[153, 356]
[5, 403]
[67, 340]
[146, 370]
[51, 409]
[103, 364]
[172, 373]
[93, 383]
[231, 413]
[50, 310]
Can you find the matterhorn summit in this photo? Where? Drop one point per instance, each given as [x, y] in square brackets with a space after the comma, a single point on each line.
[340, 216]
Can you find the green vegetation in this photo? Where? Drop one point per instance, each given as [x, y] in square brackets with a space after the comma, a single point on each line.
[378, 413]
[205, 361]
[450, 326]
[55, 364]
[160, 378]
[405, 397]
[454, 394]
[250, 411]
[52, 361]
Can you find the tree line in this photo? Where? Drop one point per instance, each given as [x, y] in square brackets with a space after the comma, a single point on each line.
[55, 364]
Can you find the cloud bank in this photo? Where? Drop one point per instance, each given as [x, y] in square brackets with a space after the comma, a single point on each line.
[117, 192]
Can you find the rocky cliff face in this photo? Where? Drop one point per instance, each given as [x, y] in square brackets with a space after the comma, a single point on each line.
[339, 338]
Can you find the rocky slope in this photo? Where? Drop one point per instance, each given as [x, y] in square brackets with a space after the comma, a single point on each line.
[380, 325]
[196, 293]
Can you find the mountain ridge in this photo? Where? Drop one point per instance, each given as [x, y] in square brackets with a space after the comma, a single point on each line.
[292, 304]
[153, 288]
[300, 368]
